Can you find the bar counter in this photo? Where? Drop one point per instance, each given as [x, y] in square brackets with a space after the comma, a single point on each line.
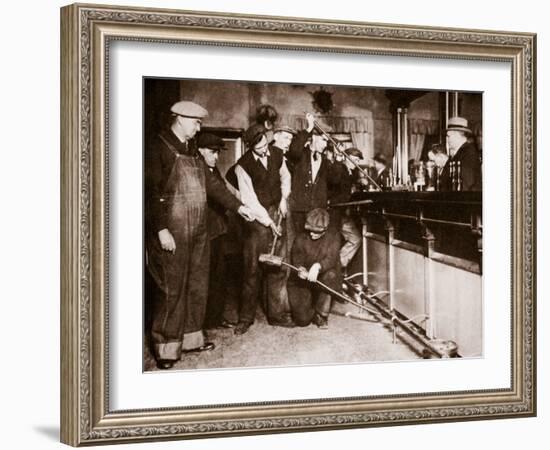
[422, 254]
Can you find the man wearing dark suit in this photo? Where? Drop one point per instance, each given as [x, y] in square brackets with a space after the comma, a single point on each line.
[380, 173]
[311, 173]
[219, 285]
[463, 152]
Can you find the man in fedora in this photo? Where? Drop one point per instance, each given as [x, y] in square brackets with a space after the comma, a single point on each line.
[462, 151]
[177, 185]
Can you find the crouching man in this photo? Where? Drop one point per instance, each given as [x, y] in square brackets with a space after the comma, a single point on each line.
[317, 254]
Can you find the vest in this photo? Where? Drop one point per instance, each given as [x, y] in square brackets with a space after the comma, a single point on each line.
[266, 182]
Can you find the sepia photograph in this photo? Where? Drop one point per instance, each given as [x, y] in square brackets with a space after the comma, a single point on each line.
[279, 225]
[303, 224]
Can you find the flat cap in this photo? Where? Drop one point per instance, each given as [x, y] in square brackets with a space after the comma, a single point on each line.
[254, 134]
[317, 220]
[189, 109]
[379, 157]
[211, 141]
[285, 129]
[352, 151]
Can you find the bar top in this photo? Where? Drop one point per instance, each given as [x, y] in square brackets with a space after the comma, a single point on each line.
[472, 198]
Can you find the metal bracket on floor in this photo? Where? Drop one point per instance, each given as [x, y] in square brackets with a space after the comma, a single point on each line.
[437, 347]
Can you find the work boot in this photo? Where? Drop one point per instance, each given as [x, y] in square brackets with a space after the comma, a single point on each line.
[206, 347]
[165, 364]
[242, 328]
[320, 321]
[227, 324]
[285, 321]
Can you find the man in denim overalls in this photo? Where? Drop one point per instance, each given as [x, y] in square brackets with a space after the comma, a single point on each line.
[177, 184]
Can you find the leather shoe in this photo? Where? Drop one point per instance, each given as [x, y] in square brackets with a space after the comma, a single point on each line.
[165, 364]
[320, 321]
[208, 346]
[227, 324]
[242, 328]
[282, 323]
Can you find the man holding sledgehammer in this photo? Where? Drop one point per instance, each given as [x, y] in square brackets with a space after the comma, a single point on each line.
[264, 185]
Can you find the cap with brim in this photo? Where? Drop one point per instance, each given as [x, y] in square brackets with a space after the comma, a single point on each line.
[211, 141]
[253, 134]
[317, 220]
[285, 129]
[380, 158]
[352, 151]
[189, 109]
[458, 124]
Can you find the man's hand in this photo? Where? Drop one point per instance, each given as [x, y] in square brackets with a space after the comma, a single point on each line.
[276, 230]
[283, 207]
[167, 241]
[363, 180]
[245, 213]
[302, 273]
[313, 272]
[310, 122]
[339, 151]
[350, 166]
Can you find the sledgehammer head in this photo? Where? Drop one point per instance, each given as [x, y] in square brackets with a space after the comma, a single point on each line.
[271, 260]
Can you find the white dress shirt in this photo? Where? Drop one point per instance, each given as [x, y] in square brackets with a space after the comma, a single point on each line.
[315, 164]
[248, 195]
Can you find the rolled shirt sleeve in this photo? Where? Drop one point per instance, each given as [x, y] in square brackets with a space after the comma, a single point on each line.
[249, 198]
[285, 181]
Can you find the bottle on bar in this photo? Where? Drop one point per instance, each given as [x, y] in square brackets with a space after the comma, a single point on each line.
[453, 176]
[458, 176]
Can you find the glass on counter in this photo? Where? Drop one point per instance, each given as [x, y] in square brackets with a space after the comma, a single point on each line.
[419, 176]
[431, 176]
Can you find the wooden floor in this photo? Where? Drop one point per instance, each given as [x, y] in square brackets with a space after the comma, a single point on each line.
[347, 340]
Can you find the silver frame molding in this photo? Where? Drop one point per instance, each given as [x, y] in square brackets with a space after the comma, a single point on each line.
[86, 31]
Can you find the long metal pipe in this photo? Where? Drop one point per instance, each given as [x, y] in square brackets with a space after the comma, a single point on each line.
[399, 149]
[355, 316]
[390, 315]
[345, 155]
[406, 216]
[333, 292]
[365, 251]
[405, 144]
[391, 268]
[424, 219]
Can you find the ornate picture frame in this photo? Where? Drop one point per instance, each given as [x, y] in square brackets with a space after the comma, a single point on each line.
[87, 31]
